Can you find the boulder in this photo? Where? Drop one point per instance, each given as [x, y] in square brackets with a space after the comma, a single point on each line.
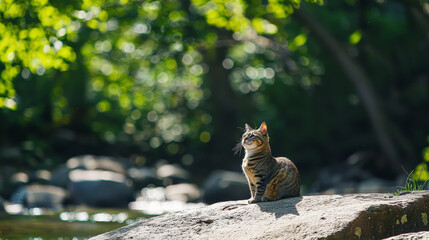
[411, 236]
[224, 186]
[99, 188]
[143, 177]
[42, 176]
[60, 177]
[2, 202]
[172, 174]
[13, 182]
[355, 175]
[349, 216]
[43, 196]
[184, 192]
[91, 162]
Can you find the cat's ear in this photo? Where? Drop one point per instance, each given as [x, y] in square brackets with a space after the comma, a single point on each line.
[248, 128]
[263, 128]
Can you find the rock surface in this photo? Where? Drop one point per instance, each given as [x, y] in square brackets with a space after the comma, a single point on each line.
[172, 174]
[351, 216]
[224, 185]
[184, 192]
[36, 195]
[99, 188]
[143, 176]
[411, 236]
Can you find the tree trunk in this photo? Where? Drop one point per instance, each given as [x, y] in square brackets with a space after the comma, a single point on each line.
[223, 108]
[360, 81]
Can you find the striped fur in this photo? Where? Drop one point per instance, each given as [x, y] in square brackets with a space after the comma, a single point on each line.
[269, 178]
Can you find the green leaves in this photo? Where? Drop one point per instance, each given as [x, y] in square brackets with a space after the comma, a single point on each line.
[355, 37]
[243, 16]
[32, 34]
[224, 14]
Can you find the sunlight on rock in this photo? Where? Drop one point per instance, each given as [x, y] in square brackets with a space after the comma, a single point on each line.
[66, 216]
[157, 208]
[153, 202]
[14, 208]
[102, 217]
[36, 211]
[172, 171]
[20, 177]
[184, 192]
[43, 175]
[120, 217]
[74, 216]
[153, 194]
[81, 216]
[87, 175]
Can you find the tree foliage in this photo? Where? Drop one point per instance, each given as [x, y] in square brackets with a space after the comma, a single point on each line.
[173, 79]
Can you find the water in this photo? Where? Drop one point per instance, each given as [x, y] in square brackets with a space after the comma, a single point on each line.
[72, 224]
[82, 222]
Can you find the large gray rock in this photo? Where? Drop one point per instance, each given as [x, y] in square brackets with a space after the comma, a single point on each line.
[172, 174]
[40, 196]
[184, 192]
[143, 177]
[351, 216]
[2, 202]
[225, 186]
[100, 188]
[91, 162]
[13, 182]
[60, 177]
[411, 236]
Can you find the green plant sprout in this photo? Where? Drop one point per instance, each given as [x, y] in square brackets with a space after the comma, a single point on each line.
[411, 184]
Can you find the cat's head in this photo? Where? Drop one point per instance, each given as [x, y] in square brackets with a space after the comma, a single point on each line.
[254, 139]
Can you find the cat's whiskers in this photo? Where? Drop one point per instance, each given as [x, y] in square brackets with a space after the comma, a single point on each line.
[238, 148]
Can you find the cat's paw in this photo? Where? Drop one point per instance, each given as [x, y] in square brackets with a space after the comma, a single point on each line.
[253, 200]
[265, 199]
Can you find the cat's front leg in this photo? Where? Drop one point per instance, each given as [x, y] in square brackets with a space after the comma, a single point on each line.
[260, 189]
[252, 190]
[255, 199]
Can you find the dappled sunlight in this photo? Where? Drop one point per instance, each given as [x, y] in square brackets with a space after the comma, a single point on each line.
[152, 201]
[136, 104]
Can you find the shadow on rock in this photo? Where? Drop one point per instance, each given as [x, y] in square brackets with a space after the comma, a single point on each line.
[281, 207]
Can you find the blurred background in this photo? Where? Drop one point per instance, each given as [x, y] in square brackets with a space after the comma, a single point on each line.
[134, 106]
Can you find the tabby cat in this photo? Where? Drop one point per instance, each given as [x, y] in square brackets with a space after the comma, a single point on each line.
[269, 178]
